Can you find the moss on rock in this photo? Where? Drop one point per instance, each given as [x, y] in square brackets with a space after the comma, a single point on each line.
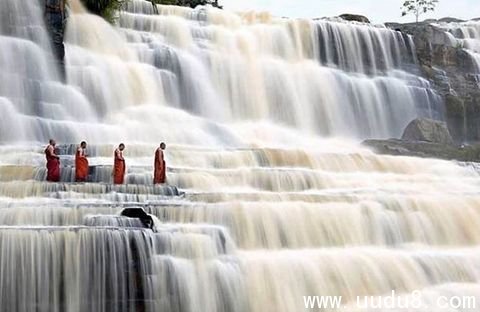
[455, 106]
[395, 147]
[104, 8]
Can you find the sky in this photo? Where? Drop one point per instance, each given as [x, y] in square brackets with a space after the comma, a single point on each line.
[379, 11]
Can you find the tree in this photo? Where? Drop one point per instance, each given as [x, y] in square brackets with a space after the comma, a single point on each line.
[108, 8]
[418, 7]
[104, 8]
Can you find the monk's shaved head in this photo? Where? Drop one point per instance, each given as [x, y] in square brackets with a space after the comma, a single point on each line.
[52, 142]
[83, 144]
[121, 146]
[163, 145]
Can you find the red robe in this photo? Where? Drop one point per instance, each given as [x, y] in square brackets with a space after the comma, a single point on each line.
[81, 165]
[53, 164]
[119, 167]
[159, 175]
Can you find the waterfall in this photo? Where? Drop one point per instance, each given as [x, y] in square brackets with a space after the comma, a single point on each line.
[82, 270]
[467, 36]
[270, 197]
[324, 77]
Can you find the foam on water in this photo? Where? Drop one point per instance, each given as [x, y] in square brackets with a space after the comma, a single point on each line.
[467, 35]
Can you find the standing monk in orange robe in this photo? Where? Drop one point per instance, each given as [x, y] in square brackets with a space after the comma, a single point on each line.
[81, 163]
[119, 165]
[53, 162]
[159, 175]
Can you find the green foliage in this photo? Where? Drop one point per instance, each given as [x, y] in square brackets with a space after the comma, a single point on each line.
[418, 7]
[104, 8]
[189, 3]
[168, 2]
[108, 8]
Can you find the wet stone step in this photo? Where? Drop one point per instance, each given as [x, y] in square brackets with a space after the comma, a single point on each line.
[97, 174]
[112, 221]
[22, 189]
[65, 229]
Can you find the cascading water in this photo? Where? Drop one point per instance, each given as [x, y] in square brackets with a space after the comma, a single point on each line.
[261, 116]
[467, 36]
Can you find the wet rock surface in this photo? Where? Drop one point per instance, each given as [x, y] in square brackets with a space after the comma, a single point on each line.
[428, 130]
[355, 18]
[446, 63]
[470, 153]
[426, 138]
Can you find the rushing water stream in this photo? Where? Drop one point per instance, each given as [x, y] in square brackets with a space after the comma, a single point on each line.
[467, 36]
[262, 117]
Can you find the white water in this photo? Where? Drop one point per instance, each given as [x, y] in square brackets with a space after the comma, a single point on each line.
[467, 34]
[262, 118]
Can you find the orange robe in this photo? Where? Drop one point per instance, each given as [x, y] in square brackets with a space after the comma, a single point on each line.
[159, 175]
[53, 164]
[81, 165]
[119, 167]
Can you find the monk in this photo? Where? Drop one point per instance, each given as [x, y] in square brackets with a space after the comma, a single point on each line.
[119, 165]
[81, 163]
[53, 162]
[159, 175]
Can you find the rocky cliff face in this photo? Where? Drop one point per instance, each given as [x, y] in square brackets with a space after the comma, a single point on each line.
[445, 57]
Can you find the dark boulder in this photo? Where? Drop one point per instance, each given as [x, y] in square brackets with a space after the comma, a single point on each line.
[140, 214]
[428, 130]
[453, 74]
[355, 18]
[451, 20]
